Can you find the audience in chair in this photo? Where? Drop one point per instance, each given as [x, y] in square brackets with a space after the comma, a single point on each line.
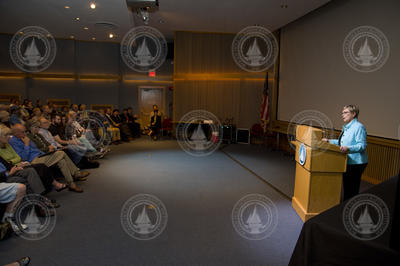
[112, 127]
[9, 158]
[30, 160]
[123, 127]
[28, 151]
[155, 123]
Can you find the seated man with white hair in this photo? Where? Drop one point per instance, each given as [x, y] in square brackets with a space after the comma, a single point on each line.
[28, 151]
[74, 149]
[9, 158]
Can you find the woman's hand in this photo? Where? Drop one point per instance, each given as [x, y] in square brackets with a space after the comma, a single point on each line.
[26, 141]
[344, 149]
[15, 169]
[325, 140]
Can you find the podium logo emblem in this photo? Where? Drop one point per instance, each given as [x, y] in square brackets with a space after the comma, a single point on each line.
[199, 133]
[312, 118]
[33, 49]
[254, 49]
[143, 49]
[302, 154]
[366, 217]
[366, 49]
[144, 217]
[254, 217]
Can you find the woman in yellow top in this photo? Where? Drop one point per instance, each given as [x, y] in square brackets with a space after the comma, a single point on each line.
[8, 154]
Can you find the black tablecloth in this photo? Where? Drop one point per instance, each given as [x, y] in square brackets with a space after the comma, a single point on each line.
[324, 240]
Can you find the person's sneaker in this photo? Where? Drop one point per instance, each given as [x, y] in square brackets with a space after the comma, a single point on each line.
[14, 226]
[24, 261]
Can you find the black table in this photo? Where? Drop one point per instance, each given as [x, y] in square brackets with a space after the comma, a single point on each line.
[325, 241]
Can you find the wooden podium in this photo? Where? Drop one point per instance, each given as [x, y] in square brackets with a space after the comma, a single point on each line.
[319, 168]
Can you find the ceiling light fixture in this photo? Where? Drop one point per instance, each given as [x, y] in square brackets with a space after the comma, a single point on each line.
[77, 19]
[93, 38]
[92, 5]
[85, 28]
[72, 37]
[111, 35]
[66, 7]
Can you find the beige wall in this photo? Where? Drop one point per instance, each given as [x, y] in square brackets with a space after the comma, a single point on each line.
[206, 77]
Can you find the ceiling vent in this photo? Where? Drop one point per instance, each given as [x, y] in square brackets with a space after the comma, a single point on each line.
[135, 5]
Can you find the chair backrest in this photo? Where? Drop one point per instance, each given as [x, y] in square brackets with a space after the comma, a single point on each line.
[256, 130]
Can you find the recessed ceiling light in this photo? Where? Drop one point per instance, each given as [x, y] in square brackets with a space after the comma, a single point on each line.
[85, 28]
[66, 7]
[111, 35]
[72, 37]
[93, 38]
[77, 19]
[161, 21]
[92, 5]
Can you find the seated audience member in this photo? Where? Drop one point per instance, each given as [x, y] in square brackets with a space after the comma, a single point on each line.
[127, 120]
[75, 132]
[75, 108]
[36, 113]
[28, 151]
[82, 107]
[46, 112]
[5, 118]
[155, 122]
[51, 107]
[111, 127]
[63, 120]
[14, 102]
[39, 103]
[12, 195]
[28, 106]
[75, 151]
[135, 125]
[64, 110]
[26, 176]
[15, 116]
[10, 158]
[32, 132]
[18, 115]
[123, 127]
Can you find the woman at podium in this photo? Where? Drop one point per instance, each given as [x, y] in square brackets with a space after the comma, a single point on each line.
[353, 141]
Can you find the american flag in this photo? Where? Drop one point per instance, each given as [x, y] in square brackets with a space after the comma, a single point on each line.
[264, 113]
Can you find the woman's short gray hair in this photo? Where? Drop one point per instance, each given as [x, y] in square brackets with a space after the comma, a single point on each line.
[4, 130]
[34, 122]
[352, 108]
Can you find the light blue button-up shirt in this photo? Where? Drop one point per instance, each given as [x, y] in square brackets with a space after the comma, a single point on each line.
[355, 137]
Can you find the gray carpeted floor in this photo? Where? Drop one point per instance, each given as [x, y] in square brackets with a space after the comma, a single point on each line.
[199, 194]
